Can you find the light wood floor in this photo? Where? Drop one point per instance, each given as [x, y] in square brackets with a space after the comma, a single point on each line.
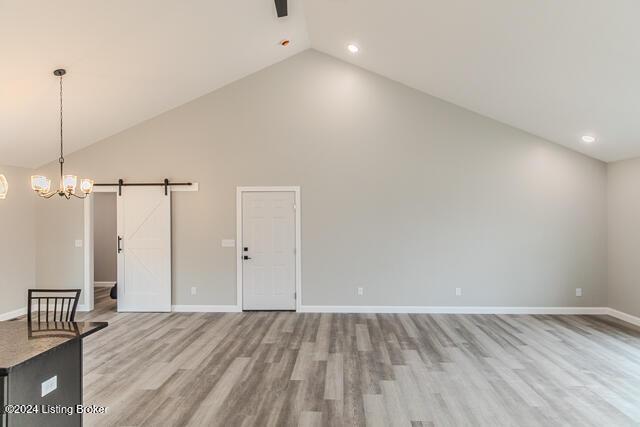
[322, 369]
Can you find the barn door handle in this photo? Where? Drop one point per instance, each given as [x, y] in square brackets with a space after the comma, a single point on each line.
[119, 242]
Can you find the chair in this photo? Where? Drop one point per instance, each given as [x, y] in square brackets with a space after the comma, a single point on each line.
[54, 329]
[64, 301]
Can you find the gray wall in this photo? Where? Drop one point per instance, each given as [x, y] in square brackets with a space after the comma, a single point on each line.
[59, 264]
[403, 194]
[624, 236]
[105, 232]
[17, 251]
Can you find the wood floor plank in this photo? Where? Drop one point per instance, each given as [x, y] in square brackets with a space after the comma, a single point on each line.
[290, 369]
[333, 386]
[207, 412]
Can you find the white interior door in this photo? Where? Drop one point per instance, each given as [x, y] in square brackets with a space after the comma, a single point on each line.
[268, 250]
[144, 249]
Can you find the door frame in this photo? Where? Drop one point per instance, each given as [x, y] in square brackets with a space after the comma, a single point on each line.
[89, 243]
[298, 246]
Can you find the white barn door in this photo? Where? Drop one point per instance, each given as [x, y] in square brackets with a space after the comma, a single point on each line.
[144, 249]
[268, 250]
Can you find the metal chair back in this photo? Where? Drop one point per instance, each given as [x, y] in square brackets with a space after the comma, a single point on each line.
[53, 304]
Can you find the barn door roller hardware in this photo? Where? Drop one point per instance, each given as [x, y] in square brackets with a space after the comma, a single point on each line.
[166, 184]
[281, 8]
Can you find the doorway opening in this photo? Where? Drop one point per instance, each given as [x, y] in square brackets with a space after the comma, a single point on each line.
[105, 238]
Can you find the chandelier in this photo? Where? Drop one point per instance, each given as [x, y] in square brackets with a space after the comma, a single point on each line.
[4, 187]
[68, 183]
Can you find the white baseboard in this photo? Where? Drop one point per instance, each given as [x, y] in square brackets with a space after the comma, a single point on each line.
[450, 310]
[13, 314]
[206, 308]
[103, 284]
[634, 320]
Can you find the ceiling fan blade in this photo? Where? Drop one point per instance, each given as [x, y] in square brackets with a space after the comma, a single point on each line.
[281, 8]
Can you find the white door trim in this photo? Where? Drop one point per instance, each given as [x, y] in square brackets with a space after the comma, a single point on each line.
[89, 243]
[296, 192]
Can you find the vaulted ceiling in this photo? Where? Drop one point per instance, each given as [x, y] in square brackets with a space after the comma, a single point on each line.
[559, 70]
[127, 61]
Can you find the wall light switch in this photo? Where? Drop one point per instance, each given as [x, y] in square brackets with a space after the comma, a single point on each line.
[78, 243]
[578, 292]
[458, 292]
[49, 385]
[228, 243]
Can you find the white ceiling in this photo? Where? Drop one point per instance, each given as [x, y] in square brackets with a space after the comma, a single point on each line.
[127, 61]
[557, 69]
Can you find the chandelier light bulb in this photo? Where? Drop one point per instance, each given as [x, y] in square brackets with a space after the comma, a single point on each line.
[69, 183]
[39, 183]
[4, 187]
[86, 185]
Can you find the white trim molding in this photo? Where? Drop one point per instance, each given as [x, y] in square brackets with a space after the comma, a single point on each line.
[206, 308]
[88, 254]
[103, 284]
[13, 314]
[634, 320]
[451, 310]
[83, 307]
[296, 191]
[382, 309]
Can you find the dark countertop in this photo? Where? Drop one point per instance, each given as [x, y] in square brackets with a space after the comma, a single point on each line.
[21, 341]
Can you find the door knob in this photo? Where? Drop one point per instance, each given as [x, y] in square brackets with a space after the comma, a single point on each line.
[246, 257]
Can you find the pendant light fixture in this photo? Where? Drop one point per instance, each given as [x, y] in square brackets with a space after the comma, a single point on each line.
[68, 183]
[4, 187]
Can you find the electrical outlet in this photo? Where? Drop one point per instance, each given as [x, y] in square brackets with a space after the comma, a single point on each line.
[49, 385]
[194, 290]
[78, 243]
[578, 292]
[458, 292]
[360, 291]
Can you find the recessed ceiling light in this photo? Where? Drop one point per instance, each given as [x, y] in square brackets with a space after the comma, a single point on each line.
[353, 48]
[588, 139]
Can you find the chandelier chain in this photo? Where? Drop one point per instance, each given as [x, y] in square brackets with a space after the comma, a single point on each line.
[61, 159]
[61, 117]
